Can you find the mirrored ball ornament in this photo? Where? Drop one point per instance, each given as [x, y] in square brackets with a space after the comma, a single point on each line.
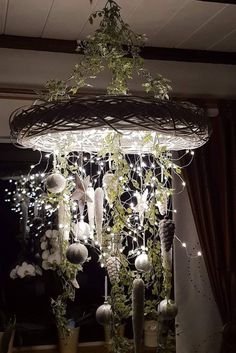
[104, 314]
[55, 183]
[142, 263]
[77, 253]
[167, 309]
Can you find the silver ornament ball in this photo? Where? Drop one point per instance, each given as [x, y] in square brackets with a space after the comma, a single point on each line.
[167, 309]
[142, 263]
[77, 253]
[104, 314]
[55, 183]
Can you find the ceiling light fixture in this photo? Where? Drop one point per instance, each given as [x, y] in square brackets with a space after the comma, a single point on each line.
[80, 123]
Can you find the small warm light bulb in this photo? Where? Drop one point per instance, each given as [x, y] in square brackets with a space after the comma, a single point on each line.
[184, 245]
[199, 253]
[183, 183]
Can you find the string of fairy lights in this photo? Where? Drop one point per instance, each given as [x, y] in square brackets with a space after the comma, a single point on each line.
[30, 191]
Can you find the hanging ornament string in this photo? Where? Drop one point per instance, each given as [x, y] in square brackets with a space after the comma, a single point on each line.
[184, 245]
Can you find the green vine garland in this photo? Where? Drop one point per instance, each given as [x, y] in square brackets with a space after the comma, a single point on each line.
[113, 46]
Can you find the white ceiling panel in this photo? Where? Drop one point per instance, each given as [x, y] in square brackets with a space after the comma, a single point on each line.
[185, 22]
[89, 28]
[218, 27]
[3, 13]
[127, 10]
[142, 16]
[228, 43]
[152, 15]
[27, 17]
[168, 23]
[68, 18]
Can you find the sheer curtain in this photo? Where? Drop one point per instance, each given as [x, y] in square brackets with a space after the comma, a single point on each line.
[211, 184]
[198, 322]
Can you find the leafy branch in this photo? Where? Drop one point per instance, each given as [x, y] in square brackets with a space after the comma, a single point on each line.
[113, 46]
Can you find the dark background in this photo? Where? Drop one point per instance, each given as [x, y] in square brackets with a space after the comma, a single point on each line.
[29, 298]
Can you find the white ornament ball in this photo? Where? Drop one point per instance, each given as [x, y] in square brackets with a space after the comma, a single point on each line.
[104, 314]
[82, 230]
[167, 309]
[142, 263]
[55, 183]
[77, 253]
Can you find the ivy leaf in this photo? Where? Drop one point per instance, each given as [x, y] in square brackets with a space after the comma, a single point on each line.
[135, 183]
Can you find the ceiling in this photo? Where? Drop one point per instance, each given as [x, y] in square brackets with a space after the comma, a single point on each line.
[181, 24]
[188, 24]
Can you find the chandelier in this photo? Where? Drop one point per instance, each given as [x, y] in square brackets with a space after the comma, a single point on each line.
[110, 184]
[77, 122]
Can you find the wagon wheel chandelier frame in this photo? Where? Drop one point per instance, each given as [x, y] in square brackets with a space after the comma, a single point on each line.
[75, 122]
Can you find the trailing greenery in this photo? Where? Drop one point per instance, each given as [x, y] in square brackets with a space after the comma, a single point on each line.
[66, 271]
[153, 280]
[120, 301]
[113, 46]
[158, 279]
[59, 308]
[120, 344]
[120, 296]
